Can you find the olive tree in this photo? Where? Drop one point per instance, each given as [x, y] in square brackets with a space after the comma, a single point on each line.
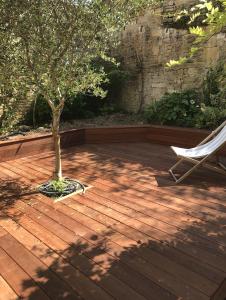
[56, 42]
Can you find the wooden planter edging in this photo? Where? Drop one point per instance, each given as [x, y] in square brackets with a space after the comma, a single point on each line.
[165, 135]
[27, 146]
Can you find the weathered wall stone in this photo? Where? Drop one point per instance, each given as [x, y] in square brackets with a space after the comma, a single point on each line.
[147, 45]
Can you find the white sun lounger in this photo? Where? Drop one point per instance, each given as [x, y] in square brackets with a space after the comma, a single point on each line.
[200, 154]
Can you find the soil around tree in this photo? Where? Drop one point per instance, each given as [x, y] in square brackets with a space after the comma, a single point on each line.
[69, 187]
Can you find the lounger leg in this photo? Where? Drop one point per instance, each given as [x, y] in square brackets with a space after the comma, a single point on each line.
[187, 173]
[177, 163]
[196, 163]
[203, 161]
[173, 167]
[221, 164]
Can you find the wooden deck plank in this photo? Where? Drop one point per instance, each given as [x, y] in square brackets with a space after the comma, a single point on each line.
[199, 297]
[39, 272]
[184, 209]
[7, 293]
[143, 168]
[138, 159]
[180, 273]
[153, 233]
[79, 164]
[145, 188]
[72, 239]
[140, 220]
[59, 217]
[49, 213]
[152, 205]
[80, 278]
[80, 283]
[151, 209]
[23, 285]
[71, 254]
[159, 164]
[213, 244]
[69, 237]
[193, 293]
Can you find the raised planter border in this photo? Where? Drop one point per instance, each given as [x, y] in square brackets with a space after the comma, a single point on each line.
[165, 135]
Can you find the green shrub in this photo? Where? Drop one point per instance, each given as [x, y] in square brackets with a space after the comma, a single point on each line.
[39, 112]
[214, 86]
[76, 107]
[189, 109]
[179, 109]
[8, 117]
[210, 117]
[83, 106]
[213, 108]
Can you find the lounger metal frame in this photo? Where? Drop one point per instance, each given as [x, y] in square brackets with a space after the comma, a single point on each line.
[202, 162]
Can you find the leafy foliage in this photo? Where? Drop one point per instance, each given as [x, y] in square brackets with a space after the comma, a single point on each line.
[9, 116]
[175, 109]
[191, 109]
[11, 89]
[83, 105]
[214, 86]
[39, 113]
[215, 19]
[173, 63]
[210, 117]
[213, 109]
[56, 43]
[59, 185]
[58, 40]
[212, 14]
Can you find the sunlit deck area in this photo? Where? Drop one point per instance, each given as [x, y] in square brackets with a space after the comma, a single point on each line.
[134, 235]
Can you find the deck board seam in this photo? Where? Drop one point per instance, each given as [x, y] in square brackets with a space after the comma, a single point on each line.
[178, 250]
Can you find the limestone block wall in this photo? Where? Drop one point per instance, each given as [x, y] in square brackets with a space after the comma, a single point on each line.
[147, 45]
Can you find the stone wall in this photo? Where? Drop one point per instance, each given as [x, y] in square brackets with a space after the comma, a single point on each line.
[147, 45]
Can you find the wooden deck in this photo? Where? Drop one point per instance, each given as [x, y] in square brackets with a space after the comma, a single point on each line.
[134, 236]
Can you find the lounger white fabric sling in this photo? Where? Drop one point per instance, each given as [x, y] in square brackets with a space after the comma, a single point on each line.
[199, 155]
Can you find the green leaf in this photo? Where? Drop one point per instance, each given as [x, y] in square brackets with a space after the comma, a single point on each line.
[197, 31]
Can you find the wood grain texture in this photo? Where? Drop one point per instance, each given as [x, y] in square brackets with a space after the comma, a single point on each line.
[23, 147]
[135, 235]
[6, 291]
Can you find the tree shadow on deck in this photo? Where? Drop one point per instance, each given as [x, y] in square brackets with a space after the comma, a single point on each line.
[188, 262]
[127, 179]
[11, 190]
[154, 161]
[176, 268]
[143, 173]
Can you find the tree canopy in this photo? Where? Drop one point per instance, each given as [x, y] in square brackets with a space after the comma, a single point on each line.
[57, 40]
[53, 44]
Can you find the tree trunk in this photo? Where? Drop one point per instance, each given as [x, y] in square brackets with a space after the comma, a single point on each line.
[57, 175]
[141, 91]
[34, 112]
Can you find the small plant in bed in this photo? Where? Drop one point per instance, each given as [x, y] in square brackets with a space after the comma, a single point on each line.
[61, 188]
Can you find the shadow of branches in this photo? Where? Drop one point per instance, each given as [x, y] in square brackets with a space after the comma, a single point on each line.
[145, 269]
[162, 242]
